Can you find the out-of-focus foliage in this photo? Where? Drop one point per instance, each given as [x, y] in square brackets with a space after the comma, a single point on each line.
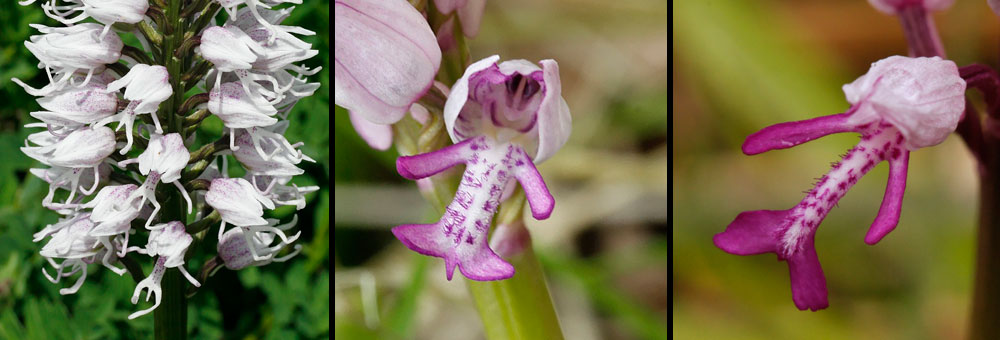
[604, 249]
[278, 301]
[743, 65]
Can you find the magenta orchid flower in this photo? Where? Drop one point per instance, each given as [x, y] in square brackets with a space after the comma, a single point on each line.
[378, 91]
[901, 104]
[504, 118]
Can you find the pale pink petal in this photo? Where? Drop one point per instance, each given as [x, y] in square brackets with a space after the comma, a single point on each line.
[378, 136]
[385, 58]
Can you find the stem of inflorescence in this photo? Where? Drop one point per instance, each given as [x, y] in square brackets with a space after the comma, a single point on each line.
[922, 37]
[170, 318]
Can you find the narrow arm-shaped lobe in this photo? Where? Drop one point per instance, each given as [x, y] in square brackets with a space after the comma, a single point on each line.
[789, 134]
[892, 202]
[431, 163]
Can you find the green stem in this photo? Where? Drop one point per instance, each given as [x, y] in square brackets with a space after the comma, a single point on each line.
[519, 307]
[170, 318]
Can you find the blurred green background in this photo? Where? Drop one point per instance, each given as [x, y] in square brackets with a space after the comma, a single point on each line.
[278, 301]
[740, 66]
[605, 247]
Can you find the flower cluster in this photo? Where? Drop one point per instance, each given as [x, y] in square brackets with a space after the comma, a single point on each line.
[902, 104]
[503, 118]
[247, 70]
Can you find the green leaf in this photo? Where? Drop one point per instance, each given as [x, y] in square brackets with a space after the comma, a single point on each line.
[595, 281]
[10, 327]
[402, 315]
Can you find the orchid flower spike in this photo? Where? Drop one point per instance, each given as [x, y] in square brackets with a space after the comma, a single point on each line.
[504, 118]
[378, 92]
[901, 104]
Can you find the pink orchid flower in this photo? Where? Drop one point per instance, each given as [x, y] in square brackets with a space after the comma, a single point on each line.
[901, 104]
[504, 118]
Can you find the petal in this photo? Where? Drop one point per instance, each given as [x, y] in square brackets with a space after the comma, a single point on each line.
[385, 58]
[808, 282]
[428, 164]
[471, 15]
[922, 97]
[554, 120]
[227, 49]
[892, 202]
[539, 198]
[237, 109]
[789, 134]
[446, 35]
[378, 136]
[447, 6]
[752, 232]
[460, 95]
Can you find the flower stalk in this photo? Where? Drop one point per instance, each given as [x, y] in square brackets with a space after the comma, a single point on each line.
[170, 318]
[519, 307]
